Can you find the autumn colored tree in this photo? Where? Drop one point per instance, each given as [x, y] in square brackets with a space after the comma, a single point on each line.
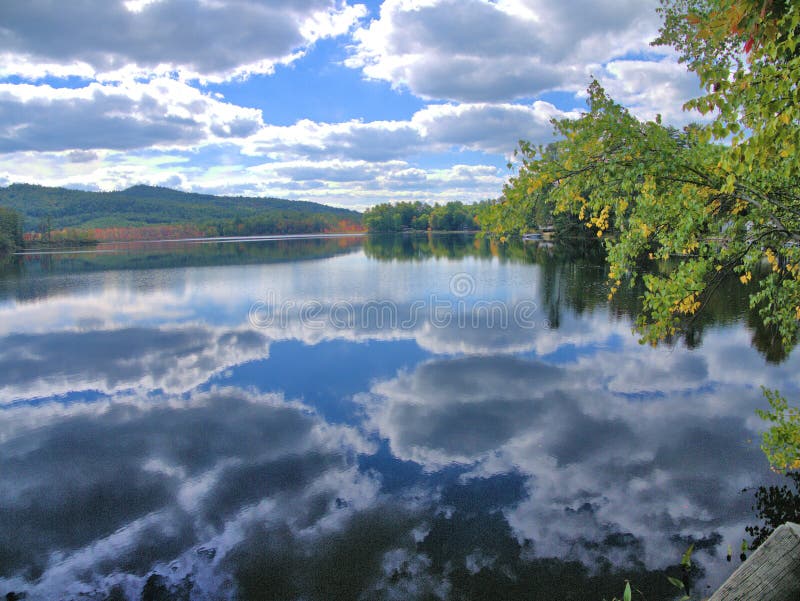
[723, 197]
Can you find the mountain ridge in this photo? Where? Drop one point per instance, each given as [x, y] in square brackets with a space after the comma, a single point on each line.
[144, 205]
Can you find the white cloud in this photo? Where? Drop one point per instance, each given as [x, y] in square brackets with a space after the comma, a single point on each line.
[494, 128]
[597, 461]
[491, 128]
[189, 480]
[351, 163]
[372, 141]
[160, 113]
[477, 50]
[140, 59]
[211, 40]
[169, 359]
[649, 88]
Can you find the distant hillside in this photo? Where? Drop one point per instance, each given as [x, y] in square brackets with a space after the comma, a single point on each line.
[148, 205]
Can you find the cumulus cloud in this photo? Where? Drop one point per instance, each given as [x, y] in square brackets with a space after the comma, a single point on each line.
[605, 448]
[144, 61]
[162, 112]
[494, 128]
[176, 485]
[173, 360]
[650, 88]
[373, 141]
[211, 40]
[354, 184]
[597, 462]
[491, 128]
[330, 171]
[60, 136]
[476, 50]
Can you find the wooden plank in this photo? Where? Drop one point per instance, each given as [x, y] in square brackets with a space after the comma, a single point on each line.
[771, 573]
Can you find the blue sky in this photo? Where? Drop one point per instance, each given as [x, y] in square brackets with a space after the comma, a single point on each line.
[346, 103]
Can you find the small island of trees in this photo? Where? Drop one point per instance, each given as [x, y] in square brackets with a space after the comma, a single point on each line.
[407, 216]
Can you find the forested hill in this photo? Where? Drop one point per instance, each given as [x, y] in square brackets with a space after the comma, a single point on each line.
[148, 205]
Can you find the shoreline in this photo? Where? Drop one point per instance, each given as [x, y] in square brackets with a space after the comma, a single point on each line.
[99, 246]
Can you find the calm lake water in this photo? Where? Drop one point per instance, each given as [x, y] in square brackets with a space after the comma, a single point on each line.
[353, 418]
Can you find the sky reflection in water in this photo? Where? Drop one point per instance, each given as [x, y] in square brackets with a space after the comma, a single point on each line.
[148, 427]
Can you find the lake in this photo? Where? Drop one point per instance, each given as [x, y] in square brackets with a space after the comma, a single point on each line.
[414, 417]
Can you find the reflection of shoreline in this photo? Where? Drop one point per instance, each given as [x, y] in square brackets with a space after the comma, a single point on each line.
[30, 275]
[166, 243]
[235, 239]
[569, 444]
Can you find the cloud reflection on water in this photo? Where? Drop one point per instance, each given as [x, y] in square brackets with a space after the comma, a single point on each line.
[508, 448]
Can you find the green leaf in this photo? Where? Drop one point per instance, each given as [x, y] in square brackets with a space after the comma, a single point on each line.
[686, 560]
[626, 596]
[675, 582]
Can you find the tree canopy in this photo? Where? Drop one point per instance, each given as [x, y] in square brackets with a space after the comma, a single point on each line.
[401, 216]
[10, 231]
[723, 196]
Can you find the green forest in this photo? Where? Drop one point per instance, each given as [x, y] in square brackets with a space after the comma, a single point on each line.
[405, 216]
[59, 208]
[58, 216]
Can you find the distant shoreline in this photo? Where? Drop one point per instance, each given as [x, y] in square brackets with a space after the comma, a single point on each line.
[102, 246]
[110, 246]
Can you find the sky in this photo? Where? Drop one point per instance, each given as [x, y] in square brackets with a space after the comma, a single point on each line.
[344, 103]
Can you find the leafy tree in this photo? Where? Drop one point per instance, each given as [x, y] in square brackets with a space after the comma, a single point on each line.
[522, 208]
[404, 216]
[453, 216]
[10, 231]
[724, 197]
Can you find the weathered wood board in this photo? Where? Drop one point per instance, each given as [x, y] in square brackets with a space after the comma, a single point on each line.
[771, 573]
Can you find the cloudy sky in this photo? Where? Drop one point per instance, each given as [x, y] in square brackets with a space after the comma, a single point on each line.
[330, 100]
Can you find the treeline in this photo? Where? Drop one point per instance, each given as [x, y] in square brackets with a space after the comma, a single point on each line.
[10, 231]
[405, 216]
[254, 226]
[45, 235]
[67, 236]
[516, 212]
[282, 222]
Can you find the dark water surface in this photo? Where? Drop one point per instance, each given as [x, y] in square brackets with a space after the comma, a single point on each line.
[348, 418]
